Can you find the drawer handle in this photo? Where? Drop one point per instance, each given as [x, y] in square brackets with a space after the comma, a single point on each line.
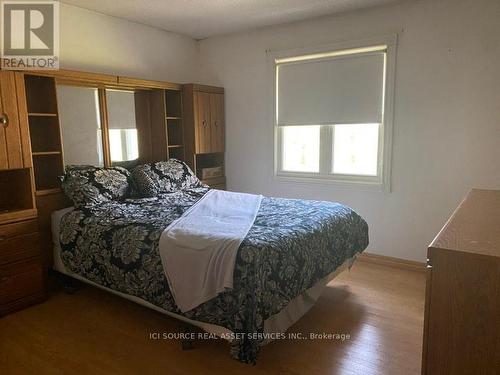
[4, 120]
[3, 238]
[3, 279]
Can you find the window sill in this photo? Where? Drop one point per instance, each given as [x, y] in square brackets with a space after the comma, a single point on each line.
[348, 184]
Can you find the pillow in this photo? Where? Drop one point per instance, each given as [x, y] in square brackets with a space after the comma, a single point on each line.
[164, 177]
[88, 185]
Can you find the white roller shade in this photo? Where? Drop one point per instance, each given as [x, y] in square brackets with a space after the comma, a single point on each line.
[336, 90]
[121, 109]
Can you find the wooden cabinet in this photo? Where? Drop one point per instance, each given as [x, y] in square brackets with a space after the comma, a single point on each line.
[14, 144]
[204, 130]
[217, 126]
[209, 122]
[206, 106]
[17, 199]
[462, 312]
[22, 268]
[203, 134]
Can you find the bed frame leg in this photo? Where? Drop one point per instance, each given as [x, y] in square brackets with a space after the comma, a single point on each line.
[187, 344]
[70, 285]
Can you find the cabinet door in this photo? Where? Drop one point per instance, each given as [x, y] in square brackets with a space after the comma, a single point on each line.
[11, 155]
[202, 122]
[217, 123]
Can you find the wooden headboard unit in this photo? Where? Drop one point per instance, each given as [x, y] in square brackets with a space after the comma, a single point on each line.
[42, 114]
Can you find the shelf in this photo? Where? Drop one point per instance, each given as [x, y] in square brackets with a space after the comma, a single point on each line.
[174, 132]
[17, 193]
[40, 94]
[45, 153]
[47, 171]
[173, 104]
[174, 146]
[44, 133]
[40, 114]
[176, 152]
[48, 192]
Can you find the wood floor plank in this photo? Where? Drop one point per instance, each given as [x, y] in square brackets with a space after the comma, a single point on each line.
[93, 332]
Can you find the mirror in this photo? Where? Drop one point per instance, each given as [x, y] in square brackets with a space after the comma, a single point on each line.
[80, 120]
[123, 142]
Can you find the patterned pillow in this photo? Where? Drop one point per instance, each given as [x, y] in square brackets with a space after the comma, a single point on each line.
[164, 177]
[88, 185]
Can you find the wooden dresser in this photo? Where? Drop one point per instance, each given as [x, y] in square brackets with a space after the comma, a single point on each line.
[462, 307]
[22, 266]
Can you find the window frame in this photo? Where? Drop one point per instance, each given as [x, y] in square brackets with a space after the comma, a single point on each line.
[381, 182]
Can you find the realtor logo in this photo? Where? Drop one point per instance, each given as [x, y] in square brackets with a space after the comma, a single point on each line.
[30, 35]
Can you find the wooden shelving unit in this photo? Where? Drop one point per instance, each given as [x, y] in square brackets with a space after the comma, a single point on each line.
[167, 129]
[45, 132]
[175, 134]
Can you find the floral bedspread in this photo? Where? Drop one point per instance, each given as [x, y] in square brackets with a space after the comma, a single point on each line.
[292, 245]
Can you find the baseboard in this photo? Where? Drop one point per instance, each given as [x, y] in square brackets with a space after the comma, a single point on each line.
[392, 262]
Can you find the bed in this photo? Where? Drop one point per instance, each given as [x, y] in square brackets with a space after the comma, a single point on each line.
[292, 250]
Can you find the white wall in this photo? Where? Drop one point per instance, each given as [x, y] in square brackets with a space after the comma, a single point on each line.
[94, 42]
[447, 112]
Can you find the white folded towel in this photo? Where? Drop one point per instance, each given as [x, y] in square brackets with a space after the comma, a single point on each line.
[198, 250]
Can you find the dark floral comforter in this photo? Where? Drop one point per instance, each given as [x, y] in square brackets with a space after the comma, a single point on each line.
[291, 246]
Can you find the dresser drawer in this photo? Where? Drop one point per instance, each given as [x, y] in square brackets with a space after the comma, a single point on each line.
[20, 280]
[23, 227]
[19, 248]
[19, 241]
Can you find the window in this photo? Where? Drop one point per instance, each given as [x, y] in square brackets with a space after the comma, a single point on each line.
[301, 148]
[123, 144]
[122, 128]
[333, 113]
[355, 149]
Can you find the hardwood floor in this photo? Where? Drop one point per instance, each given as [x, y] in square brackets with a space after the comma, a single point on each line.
[93, 332]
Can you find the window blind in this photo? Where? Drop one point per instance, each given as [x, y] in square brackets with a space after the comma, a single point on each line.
[344, 89]
[121, 109]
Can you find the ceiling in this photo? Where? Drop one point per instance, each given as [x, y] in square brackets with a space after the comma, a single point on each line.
[204, 18]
